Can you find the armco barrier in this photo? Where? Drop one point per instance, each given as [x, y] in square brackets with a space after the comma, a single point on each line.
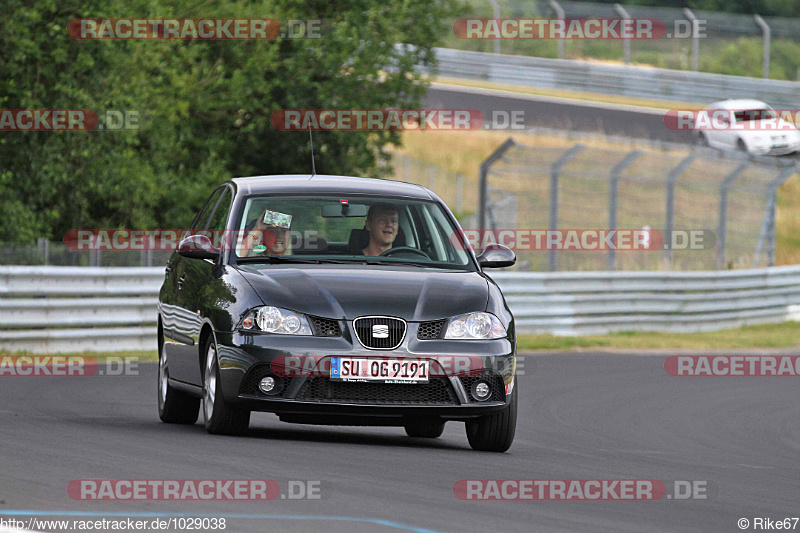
[623, 80]
[585, 303]
[76, 309]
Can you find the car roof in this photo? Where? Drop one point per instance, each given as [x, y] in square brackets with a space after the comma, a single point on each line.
[320, 184]
[738, 104]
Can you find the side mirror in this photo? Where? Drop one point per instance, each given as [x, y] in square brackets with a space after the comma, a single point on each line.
[497, 256]
[197, 247]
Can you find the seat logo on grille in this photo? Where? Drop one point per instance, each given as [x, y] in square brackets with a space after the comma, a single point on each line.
[380, 331]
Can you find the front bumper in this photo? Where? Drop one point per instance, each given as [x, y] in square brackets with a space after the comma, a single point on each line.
[246, 357]
[775, 149]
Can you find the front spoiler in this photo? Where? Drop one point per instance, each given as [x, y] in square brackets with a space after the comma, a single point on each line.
[333, 409]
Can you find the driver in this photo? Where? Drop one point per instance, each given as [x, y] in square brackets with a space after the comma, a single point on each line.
[382, 225]
[269, 236]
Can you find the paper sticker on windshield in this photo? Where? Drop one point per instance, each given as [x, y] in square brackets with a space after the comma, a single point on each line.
[259, 249]
[279, 220]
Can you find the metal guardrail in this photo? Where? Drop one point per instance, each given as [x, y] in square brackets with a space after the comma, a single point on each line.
[75, 309]
[586, 303]
[589, 76]
[40, 314]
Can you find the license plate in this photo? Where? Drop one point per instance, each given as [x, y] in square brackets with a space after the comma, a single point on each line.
[379, 370]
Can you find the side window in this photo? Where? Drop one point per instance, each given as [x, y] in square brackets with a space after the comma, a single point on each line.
[220, 216]
[201, 220]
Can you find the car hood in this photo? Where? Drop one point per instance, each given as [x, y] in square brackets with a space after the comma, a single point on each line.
[331, 291]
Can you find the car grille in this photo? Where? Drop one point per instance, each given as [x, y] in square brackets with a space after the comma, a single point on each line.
[430, 330]
[364, 331]
[495, 380]
[437, 391]
[249, 386]
[325, 327]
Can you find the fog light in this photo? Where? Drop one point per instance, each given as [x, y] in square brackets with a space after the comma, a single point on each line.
[267, 385]
[481, 391]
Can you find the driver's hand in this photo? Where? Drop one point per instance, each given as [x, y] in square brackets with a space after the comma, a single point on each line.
[253, 237]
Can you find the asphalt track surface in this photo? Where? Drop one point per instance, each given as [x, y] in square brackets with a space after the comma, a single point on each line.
[587, 416]
[559, 113]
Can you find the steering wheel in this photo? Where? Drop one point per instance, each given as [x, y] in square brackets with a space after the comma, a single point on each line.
[401, 249]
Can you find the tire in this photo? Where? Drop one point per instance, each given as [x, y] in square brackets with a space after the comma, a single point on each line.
[174, 406]
[220, 417]
[424, 429]
[495, 432]
[740, 146]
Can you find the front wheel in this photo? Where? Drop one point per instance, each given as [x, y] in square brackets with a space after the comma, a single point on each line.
[221, 418]
[174, 406]
[741, 146]
[495, 432]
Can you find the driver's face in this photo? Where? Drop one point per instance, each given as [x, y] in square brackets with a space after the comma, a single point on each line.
[281, 241]
[383, 227]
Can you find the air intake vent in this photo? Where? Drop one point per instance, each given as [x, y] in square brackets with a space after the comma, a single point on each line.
[430, 330]
[325, 327]
[436, 392]
[380, 332]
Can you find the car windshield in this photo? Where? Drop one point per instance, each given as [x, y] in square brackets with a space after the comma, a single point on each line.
[348, 229]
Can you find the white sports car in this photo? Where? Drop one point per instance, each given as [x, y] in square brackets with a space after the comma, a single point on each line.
[747, 125]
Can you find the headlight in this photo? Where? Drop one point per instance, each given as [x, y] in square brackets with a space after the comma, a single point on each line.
[271, 319]
[475, 326]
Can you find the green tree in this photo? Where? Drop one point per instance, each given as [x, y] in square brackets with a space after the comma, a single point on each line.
[204, 107]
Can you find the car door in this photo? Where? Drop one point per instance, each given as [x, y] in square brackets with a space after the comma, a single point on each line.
[727, 136]
[202, 289]
[184, 326]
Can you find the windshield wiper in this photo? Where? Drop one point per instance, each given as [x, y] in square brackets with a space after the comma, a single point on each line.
[277, 259]
[407, 263]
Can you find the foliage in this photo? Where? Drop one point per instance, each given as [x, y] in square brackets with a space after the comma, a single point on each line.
[204, 107]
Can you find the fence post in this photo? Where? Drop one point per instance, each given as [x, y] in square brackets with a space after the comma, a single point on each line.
[483, 193]
[767, 32]
[616, 172]
[669, 223]
[695, 38]
[626, 43]
[43, 246]
[561, 15]
[496, 9]
[459, 192]
[555, 170]
[768, 224]
[723, 213]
